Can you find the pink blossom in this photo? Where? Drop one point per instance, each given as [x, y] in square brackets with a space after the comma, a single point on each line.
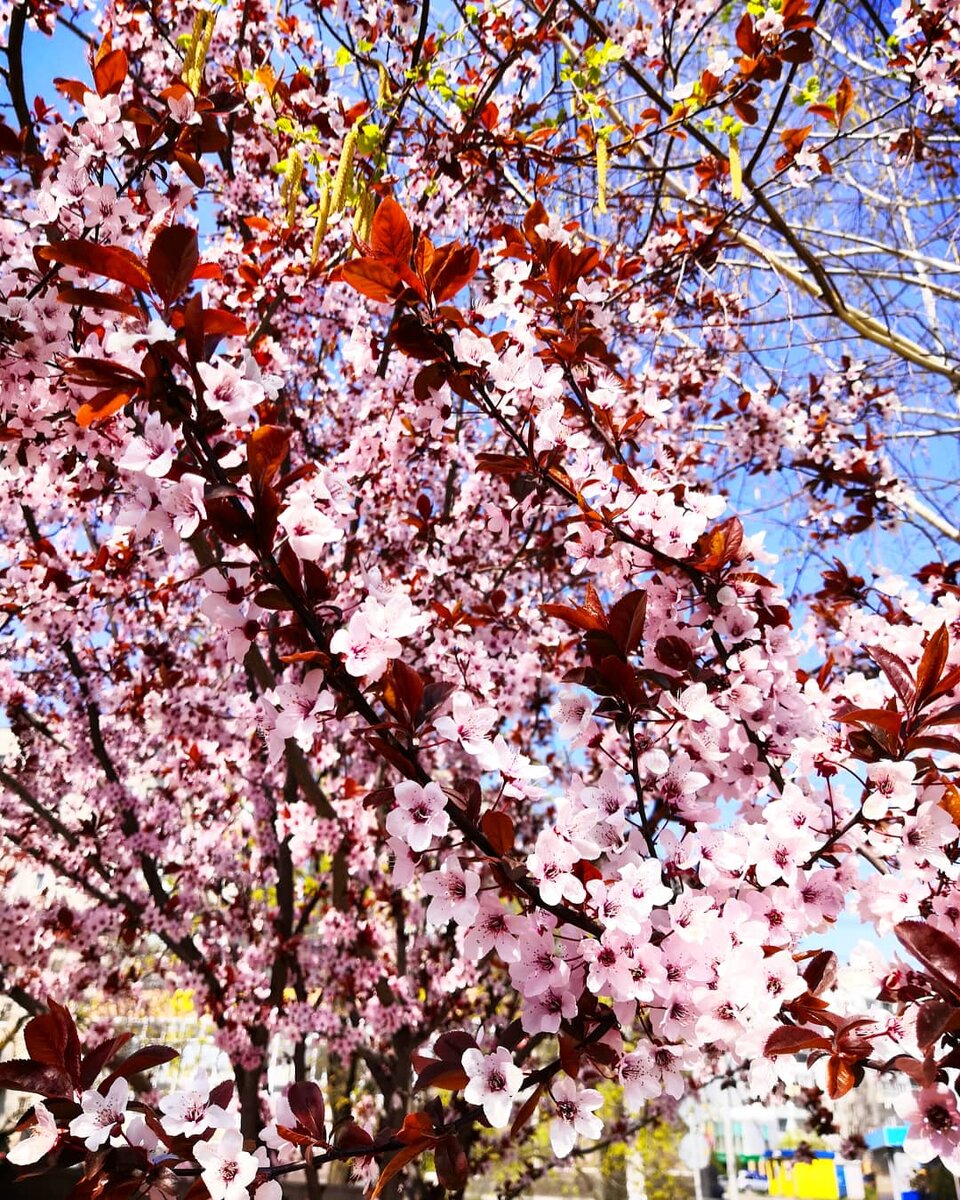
[892, 787]
[103, 1116]
[154, 452]
[301, 708]
[37, 1139]
[454, 893]
[575, 1109]
[420, 815]
[934, 1125]
[190, 1112]
[101, 110]
[551, 864]
[469, 724]
[309, 530]
[229, 391]
[495, 1082]
[228, 1169]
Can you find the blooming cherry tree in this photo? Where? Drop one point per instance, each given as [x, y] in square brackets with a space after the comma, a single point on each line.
[388, 664]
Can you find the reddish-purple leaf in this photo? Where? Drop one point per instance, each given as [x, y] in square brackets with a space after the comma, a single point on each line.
[936, 950]
[889, 720]
[266, 449]
[932, 662]
[25, 1075]
[458, 269]
[789, 1039]
[96, 1059]
[109, 72]
[113, 262]
[452, 1165]
[841, 1077]
[820, 972]
[306, 1104]
[933, 1020]
[450, 1047]
[443, 1075]
[172, 260]
[371, 278]
[896, 671]
[498, 830]
[391, 237]
[144, 1059]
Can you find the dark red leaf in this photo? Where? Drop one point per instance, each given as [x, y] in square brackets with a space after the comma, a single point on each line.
[391, 237]
[896, 670]
[218, 322]
[933, 1020]
[82, 297]
[68, 1037]
[840, 1077]
[578, 618]
[144, 1059]
[417, 1127]
[936, 950]
[943, 716]
[932, 662]
[73, 89]
[789, 1039]
[113, 262]
[110, 72]
[946, 684]
[403, 691]
[674, 652]
[396, 1164]
[266, 449]
[102, 406]
[451, 1047]
[526, 1111]
[371, 278]
[498, 830]
[95, 372]
[46, 1041]
[24, 1075]
[844, 100]
[889, 720]
[351, 1136]
[443, 1075]
[820, 972]
[172, 261]
[306, 1104]
[96, 1059]
[626, 620]
[451, 1163]
[457, 271]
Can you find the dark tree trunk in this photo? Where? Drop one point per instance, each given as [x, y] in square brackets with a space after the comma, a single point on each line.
[248, 1094]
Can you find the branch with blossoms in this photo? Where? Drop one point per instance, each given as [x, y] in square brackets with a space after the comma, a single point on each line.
[196, 1132]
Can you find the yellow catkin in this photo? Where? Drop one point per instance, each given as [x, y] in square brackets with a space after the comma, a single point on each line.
[191, 52]
[341, 182]
[602, 162]
[383, 86]
[290, 187]
[736, 169]
[196, 57]
[323, 214]
[363, 216]
[207, 38]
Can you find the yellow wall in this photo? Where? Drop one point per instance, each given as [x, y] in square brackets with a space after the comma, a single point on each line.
[811, 1181]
